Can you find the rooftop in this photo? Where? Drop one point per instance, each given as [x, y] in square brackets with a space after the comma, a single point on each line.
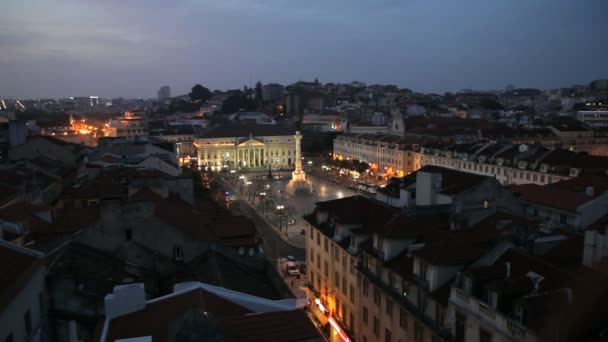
[245, 130]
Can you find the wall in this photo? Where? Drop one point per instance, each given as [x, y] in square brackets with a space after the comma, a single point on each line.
[147, 230]
[427, 186]
[42, 147]
[592, 211]
[12, 316]
[470, 203]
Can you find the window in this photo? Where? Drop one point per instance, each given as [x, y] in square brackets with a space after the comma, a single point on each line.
[351, 321]
[27, 320]
[312, 256]
[484, 335]
[438, 314]
[387, 335]
[365, 313]
[493, 299]
[519, 313]
[326, 244]
[344, 286]
[402, 318]
[326, 270]
[318, 238]
[338, 308]
[337, 280]
[365, 287]
[364, 338]
[337, 254]
[178, 253]
[460, 327]
[312, 233]
[422, 269]
[319, 259]
[418, 332]
[389, 307]
[352, 294]
[486, 204]
[535, 212]
[376, 296]
[9, 338]
[376, 327]
[563, 218]
[467, 284]
[128, 234]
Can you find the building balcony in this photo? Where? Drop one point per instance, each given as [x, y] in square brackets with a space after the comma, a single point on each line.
[475, 307]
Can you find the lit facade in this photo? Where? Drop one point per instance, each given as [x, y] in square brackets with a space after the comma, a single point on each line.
[247, 146]
[594, 118]
[129, 125]
[387, 154]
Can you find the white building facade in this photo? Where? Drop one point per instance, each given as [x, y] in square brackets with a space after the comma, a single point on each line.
[247, 146]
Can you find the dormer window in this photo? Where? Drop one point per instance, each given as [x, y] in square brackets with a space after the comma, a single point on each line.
[499, 161]
[574, 172]
[544, 167]
[522, 164]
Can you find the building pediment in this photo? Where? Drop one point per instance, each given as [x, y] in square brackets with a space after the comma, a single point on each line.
[250, 142]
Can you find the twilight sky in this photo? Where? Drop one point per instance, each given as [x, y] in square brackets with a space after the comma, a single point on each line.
[59, 48]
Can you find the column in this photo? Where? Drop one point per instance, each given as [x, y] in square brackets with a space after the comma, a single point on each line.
[298, 174]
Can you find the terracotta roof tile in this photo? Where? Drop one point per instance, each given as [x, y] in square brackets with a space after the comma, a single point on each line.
[272, 326]
[16, 268]
[154, 319]
[537, 194]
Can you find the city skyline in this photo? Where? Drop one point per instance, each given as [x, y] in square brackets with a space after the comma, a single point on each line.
[114, 49]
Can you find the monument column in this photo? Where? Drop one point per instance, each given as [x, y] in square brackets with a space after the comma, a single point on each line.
[298, 175]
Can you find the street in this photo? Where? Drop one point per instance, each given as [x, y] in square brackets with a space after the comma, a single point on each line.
[277, 206]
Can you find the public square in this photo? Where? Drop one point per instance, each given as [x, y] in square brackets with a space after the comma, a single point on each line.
[282, 203]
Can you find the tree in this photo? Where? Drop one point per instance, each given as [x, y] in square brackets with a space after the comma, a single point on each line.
[490, 104]
[232, 103]
[200, 94]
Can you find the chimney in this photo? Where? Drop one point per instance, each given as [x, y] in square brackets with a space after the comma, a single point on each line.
[589, 191]
[124, 300]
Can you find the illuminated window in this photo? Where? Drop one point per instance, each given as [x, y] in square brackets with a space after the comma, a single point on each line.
[486, 204]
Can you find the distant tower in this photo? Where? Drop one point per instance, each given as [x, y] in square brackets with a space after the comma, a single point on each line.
[164, 92]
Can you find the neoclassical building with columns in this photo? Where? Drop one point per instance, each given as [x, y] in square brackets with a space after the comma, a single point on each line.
[247, 146]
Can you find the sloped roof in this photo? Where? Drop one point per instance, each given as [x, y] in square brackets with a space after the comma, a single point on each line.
[358, 209]
[16, 268]
[154, 319]
[454, 182]
[545, 196]
[245, 130]
[291, 325]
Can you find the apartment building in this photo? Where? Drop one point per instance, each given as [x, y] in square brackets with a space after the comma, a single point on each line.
[514, 164]
[388, 155]
[375, 275]
[576, 203]
[333, 256]
[522, 296]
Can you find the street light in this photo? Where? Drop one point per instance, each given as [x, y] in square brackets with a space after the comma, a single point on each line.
[281, 215]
